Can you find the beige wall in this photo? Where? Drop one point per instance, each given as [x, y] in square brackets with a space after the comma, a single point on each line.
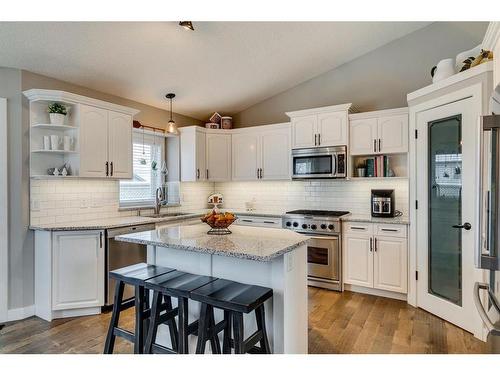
[149, 115]
[378, 80]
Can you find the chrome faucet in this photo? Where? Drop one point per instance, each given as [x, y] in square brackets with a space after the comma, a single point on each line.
[158, 200]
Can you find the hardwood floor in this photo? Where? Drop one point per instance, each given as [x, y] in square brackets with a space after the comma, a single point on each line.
[338, 323]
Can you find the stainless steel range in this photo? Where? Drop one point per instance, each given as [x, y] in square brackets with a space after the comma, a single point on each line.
[324, 255]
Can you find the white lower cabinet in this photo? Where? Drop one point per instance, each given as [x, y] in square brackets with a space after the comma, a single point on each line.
[69, 273]
[375, 261]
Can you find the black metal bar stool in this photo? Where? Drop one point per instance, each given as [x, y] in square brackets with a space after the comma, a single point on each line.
[235, 299]
[178, 285]
[134, 275]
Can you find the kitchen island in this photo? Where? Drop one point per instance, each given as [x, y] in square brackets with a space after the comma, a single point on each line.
[274, 258]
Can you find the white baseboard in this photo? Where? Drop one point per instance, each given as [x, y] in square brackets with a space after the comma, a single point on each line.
[20, 313]
[375, 292]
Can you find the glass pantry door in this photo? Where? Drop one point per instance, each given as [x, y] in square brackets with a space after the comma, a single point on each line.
[447, 193]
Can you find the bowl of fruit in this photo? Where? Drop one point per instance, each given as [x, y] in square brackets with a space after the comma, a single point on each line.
[219, 222]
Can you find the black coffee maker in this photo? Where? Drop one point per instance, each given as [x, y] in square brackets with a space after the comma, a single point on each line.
[383, 203]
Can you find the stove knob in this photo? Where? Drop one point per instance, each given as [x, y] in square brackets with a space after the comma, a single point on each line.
[331, 227]
[323, 226]
[313, 227]
[304, 226]
[295, 224]
[288, 224]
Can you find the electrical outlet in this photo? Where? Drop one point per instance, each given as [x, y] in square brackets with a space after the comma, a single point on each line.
[84, 203]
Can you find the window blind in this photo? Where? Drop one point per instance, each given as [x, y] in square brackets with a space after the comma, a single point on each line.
[147, 150]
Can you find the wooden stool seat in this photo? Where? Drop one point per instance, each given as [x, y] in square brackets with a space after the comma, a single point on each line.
[235, 299]
[180, 285]
[135, 275]
[231, 295]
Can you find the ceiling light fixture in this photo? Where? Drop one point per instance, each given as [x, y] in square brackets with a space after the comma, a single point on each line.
[171, 127]
[188, 25]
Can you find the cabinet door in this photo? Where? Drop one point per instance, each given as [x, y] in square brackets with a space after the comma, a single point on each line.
[358, 260]
[200, 172]
[218, 157]
[304, 131]
[275, 154]
[390, 265]
[93, 141]
[363, 135]
[332, 129]
[393, 134]
[245, 156]
[77, 270]
[120, 144]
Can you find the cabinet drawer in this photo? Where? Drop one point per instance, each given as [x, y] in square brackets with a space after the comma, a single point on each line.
[391, 230]
[357, 228]
[259, 221]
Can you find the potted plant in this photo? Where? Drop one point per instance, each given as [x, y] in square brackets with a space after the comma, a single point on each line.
[57, 113]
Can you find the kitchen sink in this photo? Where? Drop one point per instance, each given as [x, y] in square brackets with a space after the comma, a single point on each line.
[168, 214]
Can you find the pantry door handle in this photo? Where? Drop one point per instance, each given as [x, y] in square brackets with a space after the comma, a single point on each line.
[111, 168]
[107, 169]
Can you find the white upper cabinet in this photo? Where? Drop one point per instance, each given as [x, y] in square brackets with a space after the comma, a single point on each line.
[99, 135]
[275, 154]
[363, 135]
[332, 129]
[393, 134]
[320, 127]
[193, 154]
[246, 156]
[380, 132]
[261, 153]
[120, 145]
[218, 157]
[93, 141]
[105, 143]
[304, 131]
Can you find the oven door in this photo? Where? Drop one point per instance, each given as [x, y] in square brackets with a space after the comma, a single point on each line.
[313, 164]
[323, 258]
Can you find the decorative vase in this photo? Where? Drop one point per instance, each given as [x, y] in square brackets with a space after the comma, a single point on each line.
[56, 118]
[361, 172]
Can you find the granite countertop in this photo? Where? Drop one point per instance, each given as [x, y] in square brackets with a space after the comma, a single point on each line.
[116, 222]
[260, 244]
[404, 220]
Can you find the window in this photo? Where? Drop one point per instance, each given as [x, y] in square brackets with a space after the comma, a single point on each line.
[148, 156]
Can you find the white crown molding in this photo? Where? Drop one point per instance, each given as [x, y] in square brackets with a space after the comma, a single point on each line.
[70, 98]
[456, 78]
[491, 37]
[316, 111]
[383, 112]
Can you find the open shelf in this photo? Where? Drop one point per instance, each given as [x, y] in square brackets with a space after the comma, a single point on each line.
[54, 127]
[398, 163]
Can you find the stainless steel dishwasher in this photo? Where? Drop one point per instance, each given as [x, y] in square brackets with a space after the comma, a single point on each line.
[120, 254]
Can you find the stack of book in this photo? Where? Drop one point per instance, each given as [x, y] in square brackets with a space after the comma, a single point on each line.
[377, 166]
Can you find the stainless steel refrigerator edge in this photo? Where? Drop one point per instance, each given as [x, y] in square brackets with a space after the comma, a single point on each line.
[488, 249]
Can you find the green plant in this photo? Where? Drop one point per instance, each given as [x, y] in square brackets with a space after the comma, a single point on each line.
[57, 108]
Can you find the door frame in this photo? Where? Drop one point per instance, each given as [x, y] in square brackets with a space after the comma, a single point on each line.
[475, 92]
[4, 231]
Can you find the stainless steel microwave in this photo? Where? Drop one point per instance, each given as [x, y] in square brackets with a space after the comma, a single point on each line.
[319, 162]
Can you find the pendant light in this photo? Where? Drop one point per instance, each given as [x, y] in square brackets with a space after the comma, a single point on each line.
[188, 25]
[171, 127]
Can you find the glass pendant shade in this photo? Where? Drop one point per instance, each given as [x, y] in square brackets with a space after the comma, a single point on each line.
[172, 127]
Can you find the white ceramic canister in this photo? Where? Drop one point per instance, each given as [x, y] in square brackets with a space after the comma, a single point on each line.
[226, 122]
[444, 69]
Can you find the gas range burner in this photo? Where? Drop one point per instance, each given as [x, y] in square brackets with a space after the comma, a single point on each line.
[318, 213]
